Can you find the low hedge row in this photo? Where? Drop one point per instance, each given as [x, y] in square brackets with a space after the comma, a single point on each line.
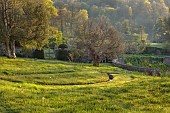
[144, 61]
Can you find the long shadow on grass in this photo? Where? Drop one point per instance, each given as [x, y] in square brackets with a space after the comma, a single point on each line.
[53, 84]
[41, 72]
[4, 105]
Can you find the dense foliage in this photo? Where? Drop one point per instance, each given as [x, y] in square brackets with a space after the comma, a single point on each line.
[126, 15]
[98, 39]
[26, 22]
[141, 21]
[38, 54]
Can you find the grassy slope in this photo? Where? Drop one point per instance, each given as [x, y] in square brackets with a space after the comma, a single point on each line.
[28, 86]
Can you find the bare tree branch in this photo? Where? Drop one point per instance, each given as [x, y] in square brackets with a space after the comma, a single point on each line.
[99, 38]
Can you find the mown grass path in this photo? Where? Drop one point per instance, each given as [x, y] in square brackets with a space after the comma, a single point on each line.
[46, 86]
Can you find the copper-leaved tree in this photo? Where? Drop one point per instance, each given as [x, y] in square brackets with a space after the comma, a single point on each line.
[99, 39]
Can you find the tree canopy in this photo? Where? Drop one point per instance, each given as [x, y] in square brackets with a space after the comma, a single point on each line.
[26, 22]
[98, 39]
[135, 12]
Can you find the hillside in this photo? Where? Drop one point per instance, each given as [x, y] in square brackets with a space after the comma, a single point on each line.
[46, 86]
[126, 15]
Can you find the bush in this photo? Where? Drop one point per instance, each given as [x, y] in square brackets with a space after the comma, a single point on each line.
[63, 53]
[62, 46]
[135, 47]
[25, 53]
[156, 51]
[38, 54]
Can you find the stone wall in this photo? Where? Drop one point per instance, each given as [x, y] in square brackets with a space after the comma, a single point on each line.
[148, 71]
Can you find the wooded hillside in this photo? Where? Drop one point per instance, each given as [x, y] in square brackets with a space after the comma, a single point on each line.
[126, 15]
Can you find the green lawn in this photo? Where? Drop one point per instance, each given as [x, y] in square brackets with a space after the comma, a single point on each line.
[47, 86]
[157, 45]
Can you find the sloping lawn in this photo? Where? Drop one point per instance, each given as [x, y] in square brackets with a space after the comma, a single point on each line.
[46, 86]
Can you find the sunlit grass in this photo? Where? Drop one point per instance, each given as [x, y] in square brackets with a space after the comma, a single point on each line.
[46, 86]
[157, 45]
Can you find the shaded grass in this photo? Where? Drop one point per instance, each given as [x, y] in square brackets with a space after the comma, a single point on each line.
[78, 88]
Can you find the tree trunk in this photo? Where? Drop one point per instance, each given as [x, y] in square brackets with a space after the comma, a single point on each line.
[7, 48]
[96, 63]
[10, 48]
[95, 56]
[96, 60]
[12, 44]
[7, 23]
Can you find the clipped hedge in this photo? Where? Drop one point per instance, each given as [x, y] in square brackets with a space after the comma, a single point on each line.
[62, 46]
[156, 51]
[38, 54]
[63, 55]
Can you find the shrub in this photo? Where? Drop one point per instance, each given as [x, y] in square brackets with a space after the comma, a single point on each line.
[38, 54]
[134, 47]
[156, 51]
[62, 46]
[63, 53]
[25, 53]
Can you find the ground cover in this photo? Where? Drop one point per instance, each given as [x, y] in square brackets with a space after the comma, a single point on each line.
[47, 86]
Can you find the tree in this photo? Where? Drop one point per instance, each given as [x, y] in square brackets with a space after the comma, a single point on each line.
[162, 31]
[37, 20]
[167, 35]
[99, 39]
[10, 15]
[159, 29]
[82, 16]
[24, 21]
[62, 16]
[69, 17]
[56, 39]
[124, 26]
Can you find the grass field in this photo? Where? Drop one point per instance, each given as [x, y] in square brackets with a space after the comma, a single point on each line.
[47, 86]
[157, 45]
